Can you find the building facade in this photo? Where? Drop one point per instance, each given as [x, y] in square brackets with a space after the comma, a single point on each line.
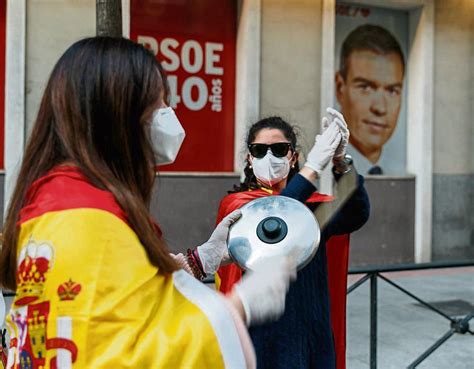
[277, 57]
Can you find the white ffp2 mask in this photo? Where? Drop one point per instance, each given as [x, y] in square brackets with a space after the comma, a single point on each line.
[166, 135]
[270, 169]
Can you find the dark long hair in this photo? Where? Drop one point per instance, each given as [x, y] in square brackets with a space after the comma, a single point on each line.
[250, 181]
[95, 108]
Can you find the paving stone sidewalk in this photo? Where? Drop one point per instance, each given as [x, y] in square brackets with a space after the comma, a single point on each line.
[406, 329]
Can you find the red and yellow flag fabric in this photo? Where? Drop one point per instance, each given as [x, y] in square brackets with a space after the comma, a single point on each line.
[87, 296]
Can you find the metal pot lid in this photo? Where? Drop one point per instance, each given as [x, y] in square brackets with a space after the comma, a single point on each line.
[274, 225]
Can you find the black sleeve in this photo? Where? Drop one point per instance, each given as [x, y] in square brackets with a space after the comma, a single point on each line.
[299, 188]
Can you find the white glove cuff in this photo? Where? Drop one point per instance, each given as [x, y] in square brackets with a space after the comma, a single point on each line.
[210, 260]
[313, 167]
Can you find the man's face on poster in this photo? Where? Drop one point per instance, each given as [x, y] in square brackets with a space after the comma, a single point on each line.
[370, 98]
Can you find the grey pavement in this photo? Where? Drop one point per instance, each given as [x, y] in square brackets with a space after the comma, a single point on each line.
[405, 329]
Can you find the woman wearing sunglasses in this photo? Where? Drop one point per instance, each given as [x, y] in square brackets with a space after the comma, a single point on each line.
[302, 338]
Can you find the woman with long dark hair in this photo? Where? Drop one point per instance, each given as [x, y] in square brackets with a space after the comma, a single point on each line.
[95, 284]
[303, 337]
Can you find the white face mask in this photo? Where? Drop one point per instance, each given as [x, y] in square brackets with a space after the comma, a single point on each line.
[270, 169]
[166, 135]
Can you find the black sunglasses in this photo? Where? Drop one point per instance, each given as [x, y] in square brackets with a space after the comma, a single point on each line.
[279, 149]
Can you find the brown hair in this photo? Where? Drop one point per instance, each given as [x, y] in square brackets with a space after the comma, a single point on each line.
[369, 37]
[95, 108]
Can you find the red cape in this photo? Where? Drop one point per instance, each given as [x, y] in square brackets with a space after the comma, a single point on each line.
[337, 251]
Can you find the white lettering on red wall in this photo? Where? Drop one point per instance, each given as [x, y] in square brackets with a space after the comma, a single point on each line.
[195, 43]
[194, 58]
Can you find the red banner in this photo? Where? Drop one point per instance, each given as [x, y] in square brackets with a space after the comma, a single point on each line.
[195, 42]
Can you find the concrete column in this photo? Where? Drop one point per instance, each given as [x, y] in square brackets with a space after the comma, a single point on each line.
[14, 93]
[291, 64]
[420, 122]
[247, 94]
[453, 182]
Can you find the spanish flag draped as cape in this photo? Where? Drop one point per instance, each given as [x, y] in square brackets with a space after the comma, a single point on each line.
[88, 297]
[337, 250]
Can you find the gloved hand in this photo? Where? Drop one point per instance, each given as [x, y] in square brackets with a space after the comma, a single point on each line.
[324, 147]
[338, 118]
[214, 251]
[262, 291]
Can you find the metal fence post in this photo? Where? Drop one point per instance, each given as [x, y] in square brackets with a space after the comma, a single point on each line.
[373, 321]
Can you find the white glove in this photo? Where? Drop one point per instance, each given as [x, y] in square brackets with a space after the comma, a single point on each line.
[214, 250]
[324, 147]
[338, 118]
[262, 290]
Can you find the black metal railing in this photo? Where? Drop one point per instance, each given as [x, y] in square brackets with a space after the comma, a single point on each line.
[457, 325]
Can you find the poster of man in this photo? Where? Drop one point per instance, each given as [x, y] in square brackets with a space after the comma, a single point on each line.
[369, 80]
